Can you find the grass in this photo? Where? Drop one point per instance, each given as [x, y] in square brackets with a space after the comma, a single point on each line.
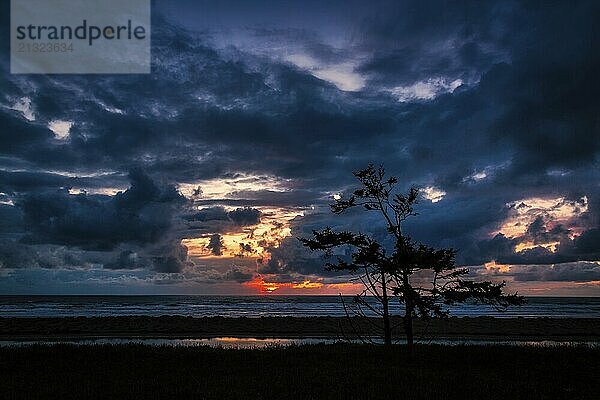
[339, 371]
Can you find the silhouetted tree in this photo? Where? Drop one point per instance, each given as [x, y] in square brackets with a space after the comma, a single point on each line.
[424, 279]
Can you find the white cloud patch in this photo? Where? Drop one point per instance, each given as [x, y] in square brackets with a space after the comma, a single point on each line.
[23, 105]
[433, 194]
[107, 191]
[477, 176]
[342, 75]
[60, 128]
[110, 109]
[486, 173]
[558, 172]
[6, 200]
[425, 90]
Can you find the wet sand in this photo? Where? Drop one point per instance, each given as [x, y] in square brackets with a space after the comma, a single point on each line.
[475, 328]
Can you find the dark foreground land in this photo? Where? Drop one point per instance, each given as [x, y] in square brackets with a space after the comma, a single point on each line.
[341, 371]
[487, 328]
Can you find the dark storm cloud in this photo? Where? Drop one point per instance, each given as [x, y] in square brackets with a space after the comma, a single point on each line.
[216, 219]
[245, 216]
[418, 40]
[28, 181]
[534, 111]
[127, 259]
[587, 245]
[12, 219]
[209, 214]
[133, 229]
[566, 272]
[22, 256]
[215, 244]
[240, 110]
[170, 257]
[237, 275]
[292, 258]
[562, 272]
[241, 216]
[15, 255]
[17, 134]
[141, 214]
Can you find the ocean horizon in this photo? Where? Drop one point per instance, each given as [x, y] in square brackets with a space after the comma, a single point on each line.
[31, 306]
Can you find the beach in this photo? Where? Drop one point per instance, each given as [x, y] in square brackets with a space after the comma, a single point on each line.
[454, 328]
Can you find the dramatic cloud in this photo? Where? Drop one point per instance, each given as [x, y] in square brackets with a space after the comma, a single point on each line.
[206, 170]
[82, 225]
[218, 219]
[141, 214]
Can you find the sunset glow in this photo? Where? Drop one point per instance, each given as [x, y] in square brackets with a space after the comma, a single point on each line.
[261, 285]
[554, 210]
[492, 266]
[552, 246]
[554, 213]
[252, 241]
[232, 187]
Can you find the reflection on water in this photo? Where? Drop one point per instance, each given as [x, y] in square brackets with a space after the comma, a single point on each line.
[255, 343]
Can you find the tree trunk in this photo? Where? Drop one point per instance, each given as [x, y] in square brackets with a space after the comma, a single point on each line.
[387, 329]
[408, 315]
[408, 326]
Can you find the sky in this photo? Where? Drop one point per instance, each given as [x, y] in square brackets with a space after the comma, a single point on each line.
[199, 177]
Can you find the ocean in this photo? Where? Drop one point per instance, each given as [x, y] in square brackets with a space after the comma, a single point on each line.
[259, 306]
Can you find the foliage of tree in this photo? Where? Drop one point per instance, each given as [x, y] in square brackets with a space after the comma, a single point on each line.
[424, 279]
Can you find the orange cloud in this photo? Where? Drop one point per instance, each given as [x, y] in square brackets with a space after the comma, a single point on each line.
[307, 285]
[554, 211]
[252, 241]
[493, 267]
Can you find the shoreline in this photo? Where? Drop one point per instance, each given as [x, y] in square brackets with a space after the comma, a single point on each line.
[176, 327]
